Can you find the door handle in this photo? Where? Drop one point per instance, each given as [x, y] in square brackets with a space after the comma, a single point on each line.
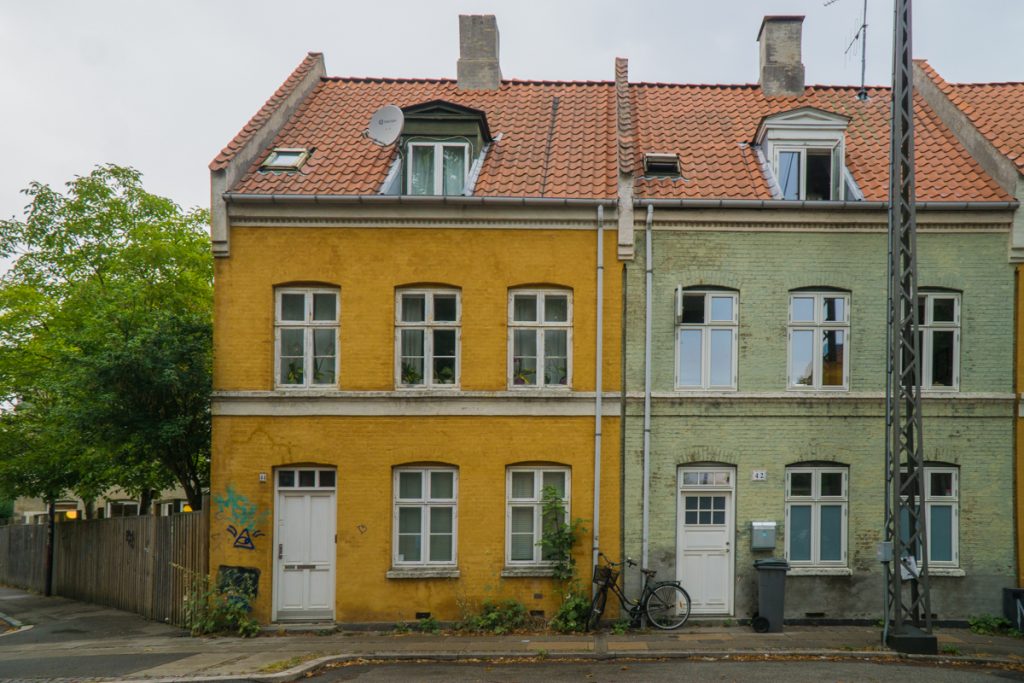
[280, 551]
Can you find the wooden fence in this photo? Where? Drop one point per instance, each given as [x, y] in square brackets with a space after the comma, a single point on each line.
[137, 564]
[22, 551]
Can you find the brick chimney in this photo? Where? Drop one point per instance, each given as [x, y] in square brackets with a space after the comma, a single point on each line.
[478, 52]
[781, 72]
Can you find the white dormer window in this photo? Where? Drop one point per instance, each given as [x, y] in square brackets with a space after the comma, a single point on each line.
[803, 154]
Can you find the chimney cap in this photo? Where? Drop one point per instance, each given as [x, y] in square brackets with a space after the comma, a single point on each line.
[778, 19]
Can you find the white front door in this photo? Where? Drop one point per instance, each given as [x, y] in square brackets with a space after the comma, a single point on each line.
[704, 559]
[305, 547]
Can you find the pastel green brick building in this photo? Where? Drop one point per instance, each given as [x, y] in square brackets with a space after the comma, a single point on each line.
[810, 459]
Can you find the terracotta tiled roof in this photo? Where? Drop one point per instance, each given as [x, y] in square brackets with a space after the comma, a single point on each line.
[580, 164]
[257, 121]
[577, 154]
[995, 109]
[710, 127]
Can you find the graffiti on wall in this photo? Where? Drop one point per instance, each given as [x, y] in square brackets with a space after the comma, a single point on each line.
[243, 516]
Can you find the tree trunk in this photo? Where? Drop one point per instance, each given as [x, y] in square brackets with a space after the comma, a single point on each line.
[146, 502]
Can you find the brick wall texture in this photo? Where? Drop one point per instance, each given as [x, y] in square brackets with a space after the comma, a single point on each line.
[763, 426]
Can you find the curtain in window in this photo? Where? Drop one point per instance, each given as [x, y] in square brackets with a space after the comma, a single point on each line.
[454, 170]
[422, 170]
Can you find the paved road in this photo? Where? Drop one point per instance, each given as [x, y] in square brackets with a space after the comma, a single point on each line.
[813, 671]
[54, 648]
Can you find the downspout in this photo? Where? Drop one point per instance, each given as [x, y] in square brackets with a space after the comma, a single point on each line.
[648, 314]
[598, 383]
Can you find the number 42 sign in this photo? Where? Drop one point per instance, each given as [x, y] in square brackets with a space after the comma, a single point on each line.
[759, 475]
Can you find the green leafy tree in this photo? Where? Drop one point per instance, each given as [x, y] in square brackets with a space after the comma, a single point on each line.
[105, 341]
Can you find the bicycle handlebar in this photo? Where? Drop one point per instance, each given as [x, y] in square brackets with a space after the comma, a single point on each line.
[629, 561]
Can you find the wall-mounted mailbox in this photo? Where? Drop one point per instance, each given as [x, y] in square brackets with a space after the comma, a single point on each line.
[762, 535]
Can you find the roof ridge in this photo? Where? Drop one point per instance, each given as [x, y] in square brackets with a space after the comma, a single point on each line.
[504, 81]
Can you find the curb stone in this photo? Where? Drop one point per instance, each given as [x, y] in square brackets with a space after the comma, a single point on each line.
[315, 666]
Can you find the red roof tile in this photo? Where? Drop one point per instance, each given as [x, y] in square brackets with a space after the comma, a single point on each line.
[577, 155]
[580, 163]
[710, 127]
[995, 109]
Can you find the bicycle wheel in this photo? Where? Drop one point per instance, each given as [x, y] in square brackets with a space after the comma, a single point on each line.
[597, 608]
[667, 606]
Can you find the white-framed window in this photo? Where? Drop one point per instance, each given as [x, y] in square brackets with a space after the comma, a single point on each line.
[942, 516]
[525, 521]
[706, 339]
[427, 337]
[809, 173]
[939, 317]
[437, 168]
[816, 515]
[819, 336]
[291, 479]
[539, 338]
[122, 508]
[306, 337]
[426, 520]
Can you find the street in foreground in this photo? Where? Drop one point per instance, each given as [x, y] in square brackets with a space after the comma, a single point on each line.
[811, 670]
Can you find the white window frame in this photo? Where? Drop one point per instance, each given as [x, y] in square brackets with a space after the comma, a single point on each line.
[817, 327]
[706, 329]
[109, 507]
[834, 149]
[816, 501]
[308, 325]
[539, 326]
[428, 325]
[273, 161]
[931, 501]
[318, 480]
[536, 502]
[438, 147]
[928, 328]
[426, 502]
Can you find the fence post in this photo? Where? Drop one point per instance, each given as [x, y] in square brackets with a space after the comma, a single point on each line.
[150, 578]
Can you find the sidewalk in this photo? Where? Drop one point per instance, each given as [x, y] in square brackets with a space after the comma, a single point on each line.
[85, 641]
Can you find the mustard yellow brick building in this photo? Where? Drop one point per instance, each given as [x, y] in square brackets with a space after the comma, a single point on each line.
[413, 339]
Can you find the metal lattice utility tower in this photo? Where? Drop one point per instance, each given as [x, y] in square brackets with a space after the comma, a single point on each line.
[908, 603]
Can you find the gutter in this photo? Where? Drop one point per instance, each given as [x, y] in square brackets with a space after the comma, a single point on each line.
[783, 204]
[414, 200]
[648, 314]
[598, 385]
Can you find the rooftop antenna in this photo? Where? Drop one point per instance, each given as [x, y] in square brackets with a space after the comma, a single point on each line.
[385, 125]
[861, 33]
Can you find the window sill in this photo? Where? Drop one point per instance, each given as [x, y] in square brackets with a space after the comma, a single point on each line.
[818, 390]
[423, 573]
[527, 571]
[705, 390]
[955, 572]
[820, 571]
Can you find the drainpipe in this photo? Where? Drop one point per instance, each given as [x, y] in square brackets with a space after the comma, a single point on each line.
[598, 382]
[648, 314]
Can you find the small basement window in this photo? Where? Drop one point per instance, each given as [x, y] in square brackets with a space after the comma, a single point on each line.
[661, 163]
[285, 159]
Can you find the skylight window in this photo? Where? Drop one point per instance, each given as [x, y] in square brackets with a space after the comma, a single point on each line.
[285, 159]
[661, 163]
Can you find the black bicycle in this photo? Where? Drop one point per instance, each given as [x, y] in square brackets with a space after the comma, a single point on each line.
[665, 603]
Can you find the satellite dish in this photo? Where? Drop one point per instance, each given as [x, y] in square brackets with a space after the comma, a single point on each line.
[385, 125]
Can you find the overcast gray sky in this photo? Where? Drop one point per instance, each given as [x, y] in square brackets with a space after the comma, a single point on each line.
[162, 85]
